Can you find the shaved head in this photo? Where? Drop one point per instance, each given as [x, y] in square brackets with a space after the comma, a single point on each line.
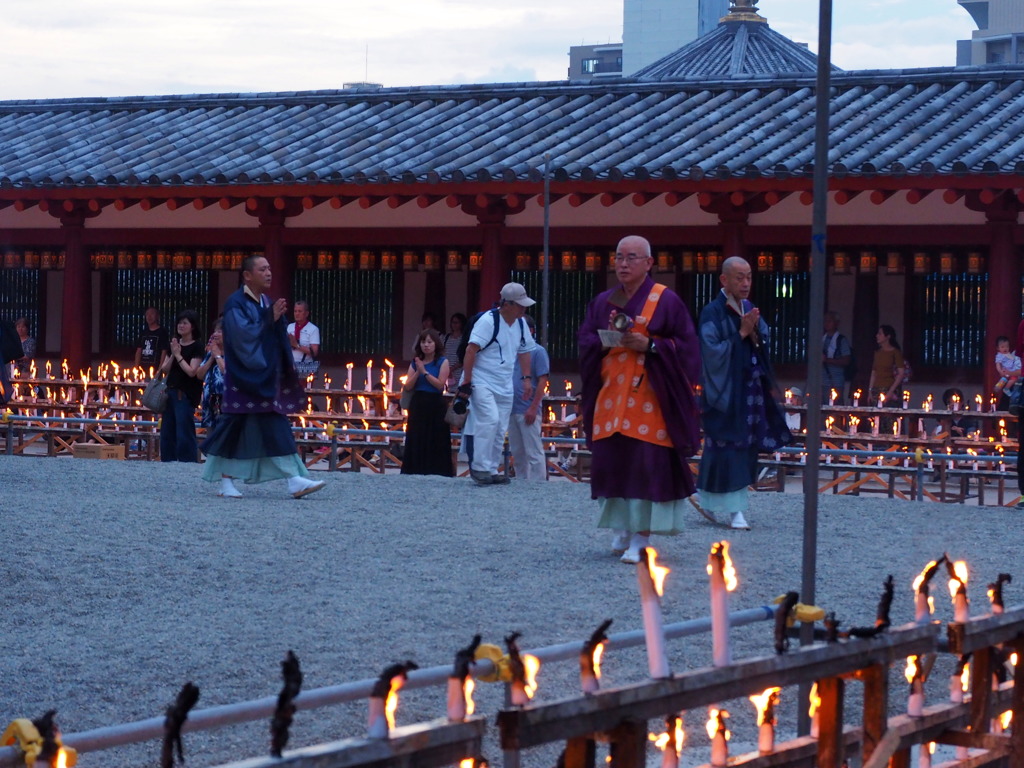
[635, 243]
[733, 263]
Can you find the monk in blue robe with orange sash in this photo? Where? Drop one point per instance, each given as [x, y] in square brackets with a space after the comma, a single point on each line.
[639, 360]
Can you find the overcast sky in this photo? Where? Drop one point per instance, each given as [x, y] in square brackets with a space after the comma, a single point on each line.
[72, 48]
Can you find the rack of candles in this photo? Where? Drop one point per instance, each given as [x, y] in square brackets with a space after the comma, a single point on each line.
[618, 715]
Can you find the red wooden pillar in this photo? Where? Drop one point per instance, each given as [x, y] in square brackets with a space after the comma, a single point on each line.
[76, 309]
[496, 269]
[1002, 313]
[733, 229]
[272, 216]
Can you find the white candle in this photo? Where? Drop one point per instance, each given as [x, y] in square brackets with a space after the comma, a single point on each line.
[650, 603]
[925, 761]
[719, 750]
[961, 608]
[766, 739]
[348, 378]
[377, 721]
[875, 422]
[721, 652]
[915, 702]
[369, 375]
[458, 698]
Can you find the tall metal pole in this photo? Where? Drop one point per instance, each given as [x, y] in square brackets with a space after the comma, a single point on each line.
[545, 290]
[814, 334]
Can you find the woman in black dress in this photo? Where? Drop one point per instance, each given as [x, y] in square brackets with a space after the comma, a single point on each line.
[178, 424]
[428, 439]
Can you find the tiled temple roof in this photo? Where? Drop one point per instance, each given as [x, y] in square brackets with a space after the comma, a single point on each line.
[926, 122]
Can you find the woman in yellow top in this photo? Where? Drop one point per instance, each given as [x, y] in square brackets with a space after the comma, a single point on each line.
[887, 370]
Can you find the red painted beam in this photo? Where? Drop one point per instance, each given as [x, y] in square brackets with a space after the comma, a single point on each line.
[844, 196]
[24, 205]
[576, 199]
[226, 203]
[518, 199]
[915, 196]
[806, 198]
[952, 195]
[641, 199]
[773, 197]
[879, 196]
[397, 201]
[425, 201]
[368, 201]
[122, 204]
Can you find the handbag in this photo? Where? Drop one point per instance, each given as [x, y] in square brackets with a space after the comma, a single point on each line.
[305, 367]
[154, 396]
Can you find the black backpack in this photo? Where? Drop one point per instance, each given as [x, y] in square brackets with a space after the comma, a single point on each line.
[468, 330]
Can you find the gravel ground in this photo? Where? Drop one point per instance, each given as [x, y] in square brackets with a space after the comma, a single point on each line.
[122, 580]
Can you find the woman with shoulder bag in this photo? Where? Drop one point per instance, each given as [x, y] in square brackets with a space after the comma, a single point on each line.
[428, 439]
[211, 373]
[184, 390]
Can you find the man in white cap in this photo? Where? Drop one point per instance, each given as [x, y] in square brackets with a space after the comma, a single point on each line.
[499, 349]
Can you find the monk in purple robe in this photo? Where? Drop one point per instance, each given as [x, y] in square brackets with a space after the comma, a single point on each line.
[639, 360]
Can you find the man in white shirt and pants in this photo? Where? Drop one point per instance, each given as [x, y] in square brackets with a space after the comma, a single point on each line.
[490, 364]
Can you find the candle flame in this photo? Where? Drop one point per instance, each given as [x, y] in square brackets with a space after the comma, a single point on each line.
[658, 572]
[716, 723]
[62, 758]
[815, 701]
[531, 666]
[391, 703]
[596, 658]
[1006, 718]
[761, 702]
[911, 669]
[677, 738]
[467, 690]
[720, 549]
[959, 580]
[965, 678]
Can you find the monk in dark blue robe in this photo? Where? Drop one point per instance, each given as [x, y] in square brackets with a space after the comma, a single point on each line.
[252, 439]
[740, 414]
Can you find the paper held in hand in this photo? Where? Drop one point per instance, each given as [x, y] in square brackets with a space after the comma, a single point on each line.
[610, 339]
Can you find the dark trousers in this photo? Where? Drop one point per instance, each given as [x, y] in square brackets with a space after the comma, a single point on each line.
[178, 429]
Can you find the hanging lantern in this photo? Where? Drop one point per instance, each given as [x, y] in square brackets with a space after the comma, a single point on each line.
[841, 263]
[922, 263]
[569, 262]
[975, 263]
[237, 257]
[765, 261]
[125, 259]
[714, 261]
[476, 261]
[61, 259]
[346, 260]
[947, 263]
[163, 259]
[454, 260]
[522, 260]
[431, 260]
[410, 260]
[31, 259]
[220, 260]
[303, 260]
[665, 262]
[894, 263]
[688, 261]
[325, 259]
[592, 261]
[868, 262]
[202, 259]
[388, 260]
[12, 260]
[367, 260]
[182, 260]
[790, 261]
[49, 260]
[611, 261]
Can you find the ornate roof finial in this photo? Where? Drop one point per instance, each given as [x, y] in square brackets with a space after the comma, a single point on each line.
[743, 10]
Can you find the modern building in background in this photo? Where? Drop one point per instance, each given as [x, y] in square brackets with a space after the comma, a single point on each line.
[999, 38]
[650, 30]
[594, 62]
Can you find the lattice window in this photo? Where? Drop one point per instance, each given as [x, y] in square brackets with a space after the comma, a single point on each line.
[170, 291]
[570, 294]
[952, 318]
[19, 297]
[352, 309]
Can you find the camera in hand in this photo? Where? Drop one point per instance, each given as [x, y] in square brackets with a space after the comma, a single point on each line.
[461, 404]
[622, 322]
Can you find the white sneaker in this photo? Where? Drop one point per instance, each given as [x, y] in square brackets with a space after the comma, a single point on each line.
[301, 486]
[739, 522]
[636, 543]
[228, 490]
[620, 541]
